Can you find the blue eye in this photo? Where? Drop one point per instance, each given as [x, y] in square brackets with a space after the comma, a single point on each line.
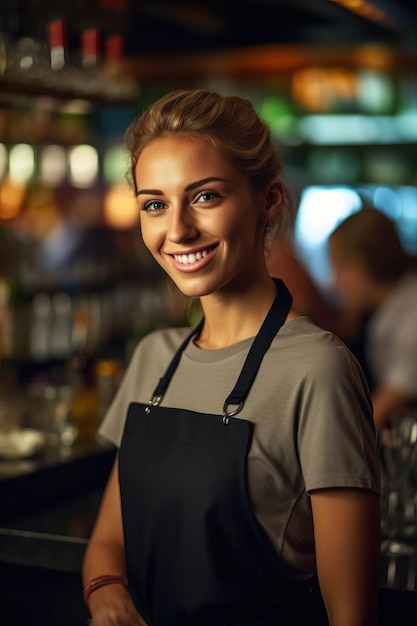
[153, 206]
[207, 196]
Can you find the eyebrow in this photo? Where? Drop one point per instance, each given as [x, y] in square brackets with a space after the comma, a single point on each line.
[190, 187]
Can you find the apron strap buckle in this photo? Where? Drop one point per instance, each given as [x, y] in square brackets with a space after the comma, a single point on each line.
[228, 414]
[154, 401]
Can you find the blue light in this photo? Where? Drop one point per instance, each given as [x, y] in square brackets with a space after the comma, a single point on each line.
[321, 209]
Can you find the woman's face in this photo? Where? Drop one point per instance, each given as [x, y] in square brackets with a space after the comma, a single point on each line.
[349, 279]
[199, 216]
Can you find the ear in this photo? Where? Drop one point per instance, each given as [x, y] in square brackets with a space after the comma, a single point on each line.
[273, 201]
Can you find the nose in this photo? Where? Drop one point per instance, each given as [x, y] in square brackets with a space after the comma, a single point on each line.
[181, 225]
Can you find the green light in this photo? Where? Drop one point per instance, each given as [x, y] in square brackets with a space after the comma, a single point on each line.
[115, 165]
[277, 113]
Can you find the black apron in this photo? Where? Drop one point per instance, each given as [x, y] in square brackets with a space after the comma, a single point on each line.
[196, 555]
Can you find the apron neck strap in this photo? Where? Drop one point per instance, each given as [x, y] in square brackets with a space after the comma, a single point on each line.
[274, 320]
[272, 323]
[164, 381]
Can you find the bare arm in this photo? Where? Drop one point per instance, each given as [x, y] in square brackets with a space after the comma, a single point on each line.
[110, 605]
[386, 401]
[347, 536]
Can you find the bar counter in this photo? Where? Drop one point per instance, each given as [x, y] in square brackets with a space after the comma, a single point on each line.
[47, 511]
[48, 507]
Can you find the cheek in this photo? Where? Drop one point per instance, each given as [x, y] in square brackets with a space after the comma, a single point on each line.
[150, 235]
[337, 275]
[353, 285]
[343, 278]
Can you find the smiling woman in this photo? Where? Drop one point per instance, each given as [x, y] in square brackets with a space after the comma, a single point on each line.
[240, 449]
[200, 228]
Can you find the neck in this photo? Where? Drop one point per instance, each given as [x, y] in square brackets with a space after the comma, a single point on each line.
[381, 292]
[230, 318]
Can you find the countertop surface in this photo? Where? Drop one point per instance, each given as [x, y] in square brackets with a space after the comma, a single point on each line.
[49, 504]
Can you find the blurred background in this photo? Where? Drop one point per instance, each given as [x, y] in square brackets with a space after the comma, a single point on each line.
[335, 79]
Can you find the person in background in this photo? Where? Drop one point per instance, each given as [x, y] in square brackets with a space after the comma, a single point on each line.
[246, 485]
[309, 300]
[376, 278]
[307, 297]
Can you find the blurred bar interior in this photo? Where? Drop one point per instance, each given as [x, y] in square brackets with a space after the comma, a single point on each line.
[337, 82]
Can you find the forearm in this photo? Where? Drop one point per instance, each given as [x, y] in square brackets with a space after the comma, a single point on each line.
[103, 558]
[351, 610]
[351, 586]
[110, 604]
[108, 600]
[387, 401]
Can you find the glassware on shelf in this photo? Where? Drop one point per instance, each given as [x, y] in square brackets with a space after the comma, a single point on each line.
[26, 61]
[116, 81]
[81, 375]
[89, 81]
[54, 65]
[61, 76]
[398, 451]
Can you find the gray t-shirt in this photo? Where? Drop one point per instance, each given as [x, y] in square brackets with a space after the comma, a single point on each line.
[391, 344]
[312, 414]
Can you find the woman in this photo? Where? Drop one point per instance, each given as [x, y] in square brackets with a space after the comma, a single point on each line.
[307, 297]
[377, 279]
[227, 500]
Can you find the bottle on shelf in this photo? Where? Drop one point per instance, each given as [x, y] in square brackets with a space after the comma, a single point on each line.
[81, 373]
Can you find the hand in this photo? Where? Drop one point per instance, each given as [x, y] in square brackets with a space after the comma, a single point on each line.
[112, 606]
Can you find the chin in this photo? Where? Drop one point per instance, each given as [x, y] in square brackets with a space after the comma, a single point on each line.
[194, 287]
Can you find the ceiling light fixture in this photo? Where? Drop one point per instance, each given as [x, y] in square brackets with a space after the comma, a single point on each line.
[365, 9]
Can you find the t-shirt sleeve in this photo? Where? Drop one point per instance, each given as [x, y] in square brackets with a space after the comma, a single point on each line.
[137, 385]
[401, 369]
[336, 435]
[113, 422]
[148, 362]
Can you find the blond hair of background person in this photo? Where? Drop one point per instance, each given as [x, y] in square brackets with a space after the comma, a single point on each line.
[376, 277]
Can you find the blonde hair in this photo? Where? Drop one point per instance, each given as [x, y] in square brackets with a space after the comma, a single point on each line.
[230, 124]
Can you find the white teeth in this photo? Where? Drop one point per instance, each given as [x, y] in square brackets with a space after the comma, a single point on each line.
[190, 258]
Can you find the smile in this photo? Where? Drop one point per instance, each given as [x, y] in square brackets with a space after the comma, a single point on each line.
[186, 259]
[194, 261]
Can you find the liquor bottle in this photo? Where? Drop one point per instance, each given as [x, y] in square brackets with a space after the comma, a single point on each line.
[82, 379]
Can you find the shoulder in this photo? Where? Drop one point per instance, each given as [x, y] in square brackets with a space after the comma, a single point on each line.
[398, 314]
[301, 337]
[317, 362]
[148, 362]
[153, 353]
[406, 289]
[404, 296]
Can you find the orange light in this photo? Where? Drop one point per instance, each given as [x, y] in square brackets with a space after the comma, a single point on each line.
[11, 198]
[319, 88]
[363, 8]
[120, 210]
